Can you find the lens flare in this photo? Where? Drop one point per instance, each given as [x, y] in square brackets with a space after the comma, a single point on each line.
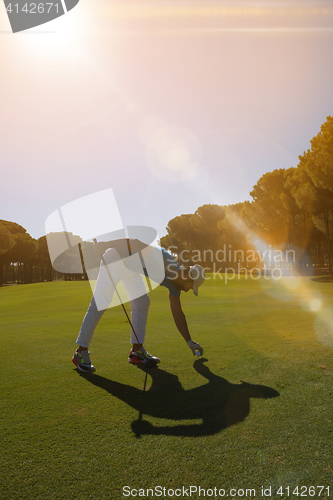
[293, 287]
[315, 305]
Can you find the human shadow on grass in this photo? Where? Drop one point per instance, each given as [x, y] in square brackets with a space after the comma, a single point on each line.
[323, 279]
[218, 403]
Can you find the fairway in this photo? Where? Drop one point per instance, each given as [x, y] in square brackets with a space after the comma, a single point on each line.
[255, 413]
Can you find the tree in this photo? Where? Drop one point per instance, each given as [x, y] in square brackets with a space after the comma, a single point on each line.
[316, 171]
[23, 254]
[43, 260]
[184, 232]
[302, 211]
[318, 202]
[233, 235]
[6, 242]
[6, 239]
[210, 216]
[196, 235]
[13, 227]
[318, 161]
[8, 233]
[273, 207]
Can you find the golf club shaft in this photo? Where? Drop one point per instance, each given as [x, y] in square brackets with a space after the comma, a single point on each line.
[114, 286]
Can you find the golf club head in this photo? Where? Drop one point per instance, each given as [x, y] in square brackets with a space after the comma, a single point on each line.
[150, 363]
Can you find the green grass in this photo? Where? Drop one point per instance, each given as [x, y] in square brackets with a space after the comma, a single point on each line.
[66, 436]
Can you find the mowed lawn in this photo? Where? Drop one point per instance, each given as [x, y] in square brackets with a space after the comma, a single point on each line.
[256, 413]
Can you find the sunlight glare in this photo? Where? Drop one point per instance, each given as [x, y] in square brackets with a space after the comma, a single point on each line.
[169, 150]
[315, 305]
[60, 39]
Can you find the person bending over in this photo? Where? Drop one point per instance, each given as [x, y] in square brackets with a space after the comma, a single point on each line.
[176, 279]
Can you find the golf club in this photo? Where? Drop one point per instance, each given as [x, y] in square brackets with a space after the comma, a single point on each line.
[149, 363]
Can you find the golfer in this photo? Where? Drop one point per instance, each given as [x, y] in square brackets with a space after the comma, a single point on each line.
[176, 279]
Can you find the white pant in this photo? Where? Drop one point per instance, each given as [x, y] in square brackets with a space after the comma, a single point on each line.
[103, 295]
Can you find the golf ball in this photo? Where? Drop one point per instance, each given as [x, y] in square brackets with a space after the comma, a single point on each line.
[198, 353]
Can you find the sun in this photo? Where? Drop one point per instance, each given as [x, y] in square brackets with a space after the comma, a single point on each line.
[61, 38]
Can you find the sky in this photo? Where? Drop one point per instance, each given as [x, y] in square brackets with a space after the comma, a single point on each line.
[172, 104]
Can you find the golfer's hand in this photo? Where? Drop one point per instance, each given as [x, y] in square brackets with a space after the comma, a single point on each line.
[195, 347]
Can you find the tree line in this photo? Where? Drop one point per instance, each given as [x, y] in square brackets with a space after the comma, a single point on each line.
[24, 259]
[288, 222]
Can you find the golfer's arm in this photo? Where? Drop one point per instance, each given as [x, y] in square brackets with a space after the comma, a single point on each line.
[179, 317]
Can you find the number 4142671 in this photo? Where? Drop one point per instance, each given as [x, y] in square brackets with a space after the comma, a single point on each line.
[304, 491]
[32, 8]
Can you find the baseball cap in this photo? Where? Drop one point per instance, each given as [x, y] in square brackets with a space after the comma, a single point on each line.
[197, 274]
